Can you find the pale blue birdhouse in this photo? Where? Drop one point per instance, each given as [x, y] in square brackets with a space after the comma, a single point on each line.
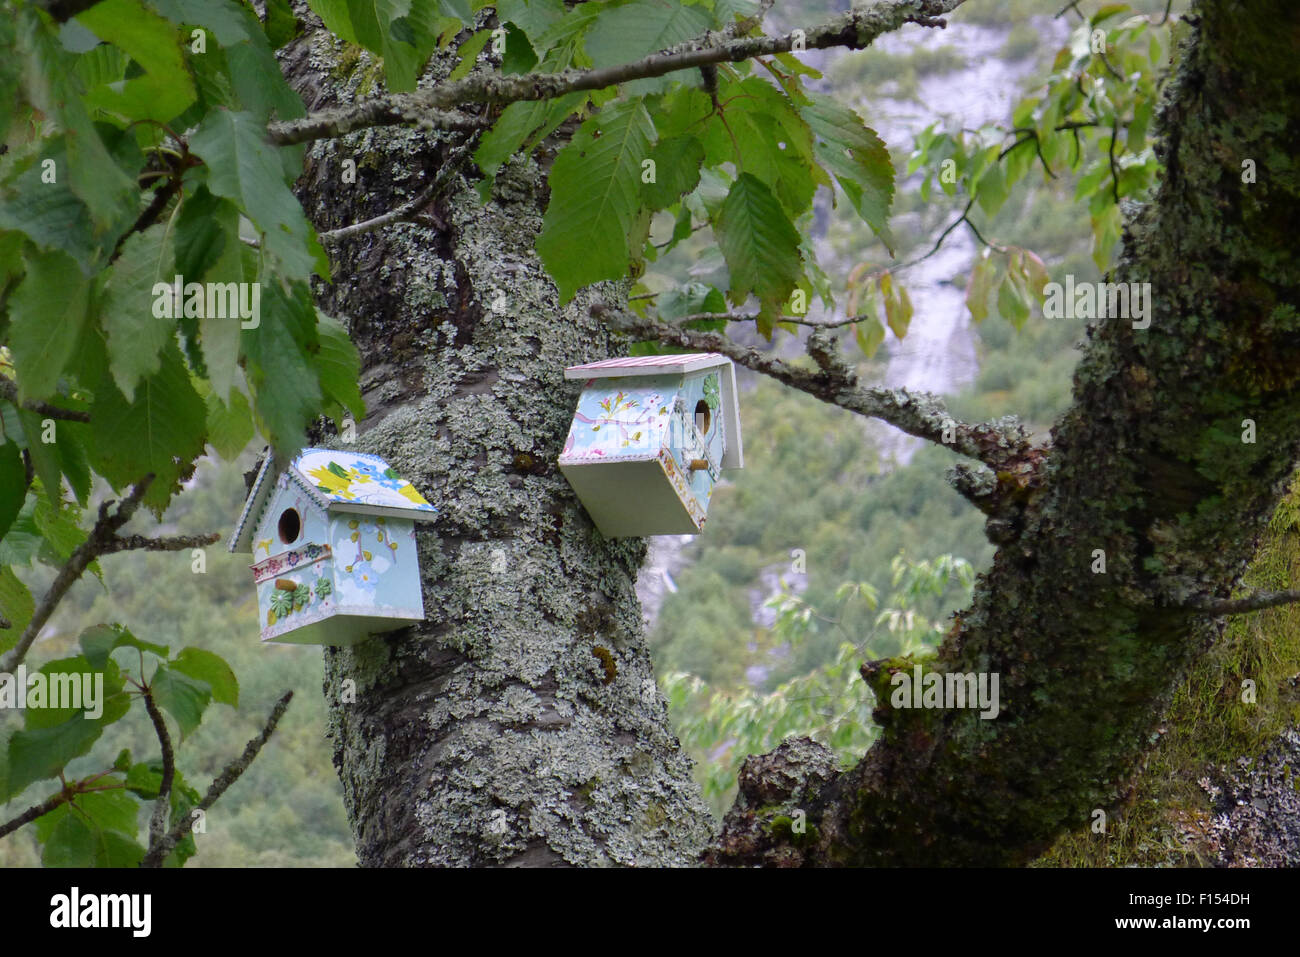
[333, 544]
[650, 440]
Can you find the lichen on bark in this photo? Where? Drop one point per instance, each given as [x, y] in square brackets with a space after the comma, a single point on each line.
[490, 733]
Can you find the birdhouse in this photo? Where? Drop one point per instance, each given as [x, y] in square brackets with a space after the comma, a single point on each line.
[333, 544]
[650, 439]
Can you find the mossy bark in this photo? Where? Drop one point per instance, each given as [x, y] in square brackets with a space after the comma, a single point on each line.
[1149, 465]
[520, 722]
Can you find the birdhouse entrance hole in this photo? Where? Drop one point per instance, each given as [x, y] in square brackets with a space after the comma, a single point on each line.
[290, 526]
[702, 417]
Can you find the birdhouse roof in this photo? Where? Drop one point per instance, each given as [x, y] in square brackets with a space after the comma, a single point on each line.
[336, 481]
[682, 363]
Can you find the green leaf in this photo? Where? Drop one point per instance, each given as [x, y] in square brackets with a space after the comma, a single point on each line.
[181, 696]
[48, 316]
[97, 833]
[869, 334]
[39, 753]
[595, 194]
[764, 135]
[1013, 303]
[161, 87]
[211, 669]
[689, 300]
[469, 51]
[338, 366]
[135, 335]
[629, 31]
[285, 388]
[244, 167]
[898, 306]
[99, 641]
[50, 84]
[520, 124]
[857, 157]
[161, 430]
[281, 25]
[400, 31]
[230, 425]
[13, 486]
[67, 676]
[225, 18]
[759, 243]
[16, 604]
[979, 287]
[677, 171]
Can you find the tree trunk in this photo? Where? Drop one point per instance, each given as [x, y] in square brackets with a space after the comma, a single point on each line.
[1149, 465]
[520, 722]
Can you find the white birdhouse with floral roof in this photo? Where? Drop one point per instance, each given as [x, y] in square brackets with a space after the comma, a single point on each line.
[333, 544]
[650, 439]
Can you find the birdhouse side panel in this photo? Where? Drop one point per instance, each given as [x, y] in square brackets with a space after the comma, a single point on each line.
[294, 589]
[622, 417]
[376, 568]
[698, 440]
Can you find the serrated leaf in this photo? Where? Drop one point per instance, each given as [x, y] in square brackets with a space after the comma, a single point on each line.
[243, 167]
[520, 124]
[13, 485]
[898, 311]
[161, 86]
[688, 300]
[629, 31]
[1013, 304]
[98, 833]
[869, 334]
[978, 288]
[759, 243]
[38, 753]
[16, 605]
[135, 335]
[283, 381]
[338, 366]
[857, 157]
[595, 194]
[677, 171]
[48, 317]
[203, 665]
[181, 696]
[98, 642]
[160, 431]
[230, 425]
[469, 51]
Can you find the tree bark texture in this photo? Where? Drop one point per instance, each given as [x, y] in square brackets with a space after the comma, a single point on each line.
[520, 723]
[1148, 465]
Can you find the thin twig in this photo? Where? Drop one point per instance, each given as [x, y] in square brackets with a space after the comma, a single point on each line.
[158, 820]
[158, 852]
[1255, 602]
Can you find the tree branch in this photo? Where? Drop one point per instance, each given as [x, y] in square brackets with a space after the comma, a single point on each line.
[1256, 602]
[438, 107]
[158, 820]
[9, 390]
[1003, 445]
[35, 811]
[97, 543]
[158, 851]
[170, 543]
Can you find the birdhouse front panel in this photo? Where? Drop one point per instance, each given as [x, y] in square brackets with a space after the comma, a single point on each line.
[333, 541]
[648, 441]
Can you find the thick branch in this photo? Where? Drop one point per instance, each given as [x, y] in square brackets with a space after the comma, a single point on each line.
[159, 850]
[439, 106]
[35, 811]
[1000, 445]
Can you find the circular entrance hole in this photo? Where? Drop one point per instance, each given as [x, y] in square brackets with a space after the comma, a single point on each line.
[702, 417]
[290, 526]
